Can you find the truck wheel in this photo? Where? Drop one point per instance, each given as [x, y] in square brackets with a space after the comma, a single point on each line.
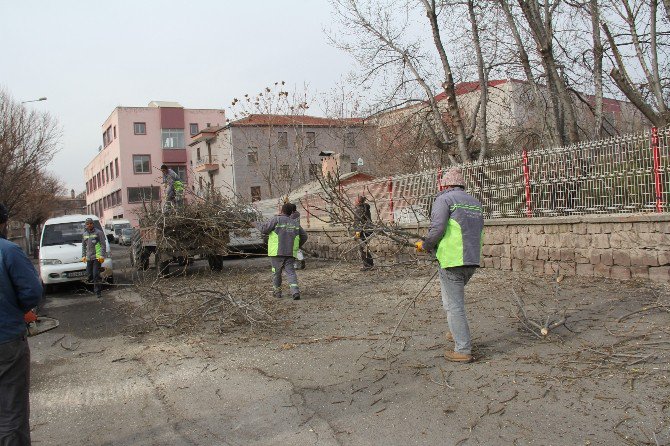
[164, 268]
[215, 262]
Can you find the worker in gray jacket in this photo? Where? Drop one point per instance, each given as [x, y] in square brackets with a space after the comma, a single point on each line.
[93, 253]
[455, 238]
[285, 237]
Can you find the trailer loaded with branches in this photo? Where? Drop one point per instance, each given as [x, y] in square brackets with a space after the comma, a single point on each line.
[197, 231]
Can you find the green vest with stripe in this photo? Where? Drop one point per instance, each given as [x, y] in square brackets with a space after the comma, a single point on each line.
[284, 236]
[460, 242]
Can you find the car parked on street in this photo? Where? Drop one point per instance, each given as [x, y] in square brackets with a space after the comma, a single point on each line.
[126, 236]
[60, 251]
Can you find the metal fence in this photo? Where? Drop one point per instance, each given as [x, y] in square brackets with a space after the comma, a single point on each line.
[625, 174]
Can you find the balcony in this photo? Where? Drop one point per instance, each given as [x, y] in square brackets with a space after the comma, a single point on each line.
[208, 163]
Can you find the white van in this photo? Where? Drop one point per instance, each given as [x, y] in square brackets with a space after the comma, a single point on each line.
[113, 229]
[60, 251]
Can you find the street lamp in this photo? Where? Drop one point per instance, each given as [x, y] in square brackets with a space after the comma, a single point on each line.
[34, 100]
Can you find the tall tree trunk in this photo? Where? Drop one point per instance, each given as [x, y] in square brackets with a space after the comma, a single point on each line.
[542, 31]
[524, 59]
[448, 84]
[483, 82]
[597, 68]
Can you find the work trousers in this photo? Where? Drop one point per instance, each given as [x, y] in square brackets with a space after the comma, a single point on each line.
[14, 388]
[452, 285]
[366, 257]
[280, 264]
[93, 272]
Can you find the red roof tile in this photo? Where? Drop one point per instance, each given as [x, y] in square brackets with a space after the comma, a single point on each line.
[284, 120]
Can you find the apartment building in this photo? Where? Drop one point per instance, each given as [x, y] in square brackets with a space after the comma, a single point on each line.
[514, 118]
[135, 142]
[266, 156]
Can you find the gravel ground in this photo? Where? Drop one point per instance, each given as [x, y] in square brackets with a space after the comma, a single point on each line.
[333, 369]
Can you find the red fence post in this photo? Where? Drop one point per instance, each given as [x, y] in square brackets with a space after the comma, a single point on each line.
[657, 169]
[390, 189]
[526, 178]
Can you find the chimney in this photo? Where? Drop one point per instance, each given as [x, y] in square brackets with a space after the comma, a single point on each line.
[72, 193]
[336, 165]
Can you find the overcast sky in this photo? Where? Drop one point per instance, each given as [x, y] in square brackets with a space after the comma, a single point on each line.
[88, 57]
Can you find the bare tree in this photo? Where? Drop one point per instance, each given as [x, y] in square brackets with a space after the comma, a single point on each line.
[383, 44]
[40, 199]
[637, 46]
[28, 141]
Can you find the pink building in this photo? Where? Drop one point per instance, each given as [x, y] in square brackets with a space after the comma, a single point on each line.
[135, 142]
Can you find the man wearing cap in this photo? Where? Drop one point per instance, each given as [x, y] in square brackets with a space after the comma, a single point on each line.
[173, 184]
[285, 237]
[93, 252]
[455, 238]
[20, 291]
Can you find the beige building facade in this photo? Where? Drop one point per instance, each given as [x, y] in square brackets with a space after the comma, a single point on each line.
[268, 156]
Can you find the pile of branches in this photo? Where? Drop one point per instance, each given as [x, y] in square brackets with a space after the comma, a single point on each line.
[204, 303]
[201, 225]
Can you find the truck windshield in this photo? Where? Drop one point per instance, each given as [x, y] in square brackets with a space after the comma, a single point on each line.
[127, 231]
[65, 233]
[121, 227]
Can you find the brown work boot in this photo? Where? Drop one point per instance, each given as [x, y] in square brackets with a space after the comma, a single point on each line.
[449, 336]
[457, 357]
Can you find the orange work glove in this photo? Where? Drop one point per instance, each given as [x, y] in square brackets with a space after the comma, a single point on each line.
[357, 235]
[419, 246]
[100, 259]
[84, 259]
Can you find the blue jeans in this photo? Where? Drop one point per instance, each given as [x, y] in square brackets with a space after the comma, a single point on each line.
[452, 285]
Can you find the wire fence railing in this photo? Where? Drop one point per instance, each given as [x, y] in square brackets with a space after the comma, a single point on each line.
[625, 174]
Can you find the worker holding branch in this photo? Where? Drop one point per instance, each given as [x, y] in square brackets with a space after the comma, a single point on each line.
[455, 239]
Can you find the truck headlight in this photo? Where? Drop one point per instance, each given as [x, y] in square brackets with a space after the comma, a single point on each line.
[50, 262]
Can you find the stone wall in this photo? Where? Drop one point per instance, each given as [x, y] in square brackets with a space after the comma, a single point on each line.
[611, 246]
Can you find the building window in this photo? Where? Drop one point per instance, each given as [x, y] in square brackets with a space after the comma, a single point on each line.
[354, 167]
[109, 134]
[252, 157]
[200, 183]
[197, 154]
[116, 165]
[140, 128]
[310, 139]
[282, 140]
[111, 171]
[284, 171]
[255, 193]
[209, 124]
[102, 176]
[349, 140]
[114, 132]
[141, 164]
[313, 171]
[119, 199]
[172, 138]
[140, 194]
[107, 173]
[193, 128]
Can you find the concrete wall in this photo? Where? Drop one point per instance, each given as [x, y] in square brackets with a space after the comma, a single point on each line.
[610, 246]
